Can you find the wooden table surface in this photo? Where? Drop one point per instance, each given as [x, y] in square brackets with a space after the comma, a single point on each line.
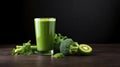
[104, 55]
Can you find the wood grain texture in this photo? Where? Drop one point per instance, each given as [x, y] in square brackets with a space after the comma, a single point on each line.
[104, 55]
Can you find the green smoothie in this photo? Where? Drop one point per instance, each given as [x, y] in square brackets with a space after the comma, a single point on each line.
[44, 31]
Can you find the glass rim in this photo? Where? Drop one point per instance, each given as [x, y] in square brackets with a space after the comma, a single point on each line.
[44, 19]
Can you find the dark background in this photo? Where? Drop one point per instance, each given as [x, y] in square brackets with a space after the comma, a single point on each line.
[85, 21]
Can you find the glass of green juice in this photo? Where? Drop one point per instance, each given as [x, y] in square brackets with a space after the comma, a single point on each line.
[44, 33]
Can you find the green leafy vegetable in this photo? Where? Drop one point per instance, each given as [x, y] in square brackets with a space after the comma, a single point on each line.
[57, 41]
[25, 49]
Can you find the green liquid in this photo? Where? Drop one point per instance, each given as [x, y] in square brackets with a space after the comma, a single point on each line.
[45, 31]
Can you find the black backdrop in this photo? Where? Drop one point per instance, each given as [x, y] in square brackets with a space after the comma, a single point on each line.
[85, 21]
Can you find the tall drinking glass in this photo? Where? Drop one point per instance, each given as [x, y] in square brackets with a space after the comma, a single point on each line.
[44, 33]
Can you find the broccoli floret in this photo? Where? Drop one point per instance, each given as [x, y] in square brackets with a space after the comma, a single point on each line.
[69, 47]
[58, 55]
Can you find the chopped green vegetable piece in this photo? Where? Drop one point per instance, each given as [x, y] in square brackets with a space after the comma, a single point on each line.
[58, 55]
[74, 48]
